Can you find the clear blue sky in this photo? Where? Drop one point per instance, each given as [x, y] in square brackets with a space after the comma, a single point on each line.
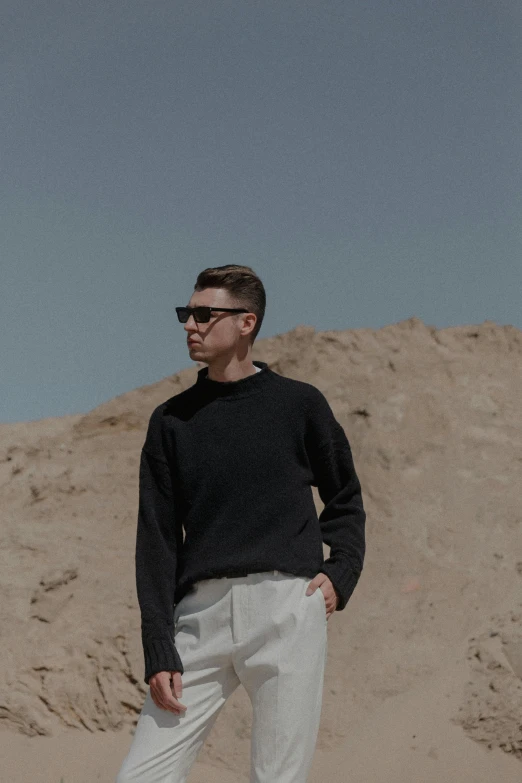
[364, 157]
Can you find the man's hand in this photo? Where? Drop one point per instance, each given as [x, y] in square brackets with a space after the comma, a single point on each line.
[162, 691]
[322, 582]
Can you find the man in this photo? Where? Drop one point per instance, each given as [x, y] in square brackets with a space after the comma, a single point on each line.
[231, 579]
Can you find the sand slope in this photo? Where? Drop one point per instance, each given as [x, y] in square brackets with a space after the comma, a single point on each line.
[424, 673]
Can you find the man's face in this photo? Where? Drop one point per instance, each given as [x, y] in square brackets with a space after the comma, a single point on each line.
[221, 335]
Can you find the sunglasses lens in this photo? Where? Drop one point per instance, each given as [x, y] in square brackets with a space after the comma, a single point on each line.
[202, 314]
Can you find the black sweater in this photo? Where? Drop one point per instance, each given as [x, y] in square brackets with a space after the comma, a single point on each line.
[225, 489]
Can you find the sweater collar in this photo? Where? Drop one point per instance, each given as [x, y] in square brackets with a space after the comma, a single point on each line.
[241, 387]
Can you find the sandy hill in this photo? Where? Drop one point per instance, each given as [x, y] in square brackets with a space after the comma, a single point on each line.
[424, 672]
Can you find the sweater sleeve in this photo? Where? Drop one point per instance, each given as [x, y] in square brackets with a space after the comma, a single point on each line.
[343, 517]
[157, 542]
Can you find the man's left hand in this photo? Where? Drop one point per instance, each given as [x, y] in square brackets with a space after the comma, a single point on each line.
[322, 582]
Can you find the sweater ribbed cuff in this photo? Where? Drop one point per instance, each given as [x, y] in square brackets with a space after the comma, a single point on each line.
[343, 578]
[160, 655]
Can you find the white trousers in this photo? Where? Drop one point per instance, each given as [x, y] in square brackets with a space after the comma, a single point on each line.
[261, 631]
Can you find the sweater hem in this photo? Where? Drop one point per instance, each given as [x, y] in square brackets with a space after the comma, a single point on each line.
[185, 587]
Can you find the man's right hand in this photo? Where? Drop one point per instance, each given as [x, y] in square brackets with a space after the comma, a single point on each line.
[164, 694]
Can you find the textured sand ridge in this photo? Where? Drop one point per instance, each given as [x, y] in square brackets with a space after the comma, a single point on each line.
[424, 672]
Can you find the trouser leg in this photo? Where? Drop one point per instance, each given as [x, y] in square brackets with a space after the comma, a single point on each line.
[280, 654]
[165, 745]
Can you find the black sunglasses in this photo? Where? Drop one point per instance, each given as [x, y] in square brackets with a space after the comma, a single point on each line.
[202, 314]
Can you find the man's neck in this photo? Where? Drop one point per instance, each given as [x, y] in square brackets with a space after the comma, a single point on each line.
[252, 383]
[231, 373]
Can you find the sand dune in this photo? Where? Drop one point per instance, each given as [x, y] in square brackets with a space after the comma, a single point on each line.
[424, 672]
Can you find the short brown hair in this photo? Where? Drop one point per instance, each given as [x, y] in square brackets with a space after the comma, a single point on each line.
[243, 285]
